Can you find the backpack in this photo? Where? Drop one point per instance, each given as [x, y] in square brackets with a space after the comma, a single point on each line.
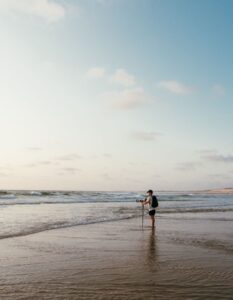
[155, 202]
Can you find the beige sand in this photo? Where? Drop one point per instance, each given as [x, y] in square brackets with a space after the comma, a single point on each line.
[224, 191]
[119, 260]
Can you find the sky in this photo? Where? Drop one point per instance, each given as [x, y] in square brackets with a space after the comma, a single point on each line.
[116, 94]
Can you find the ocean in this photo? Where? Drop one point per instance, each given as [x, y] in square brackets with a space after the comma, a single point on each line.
[29, 212]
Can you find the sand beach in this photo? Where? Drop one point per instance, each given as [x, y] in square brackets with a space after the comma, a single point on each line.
[180, 259]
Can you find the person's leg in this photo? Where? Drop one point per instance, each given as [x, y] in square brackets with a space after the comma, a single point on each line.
[152, 216]
[153, 221]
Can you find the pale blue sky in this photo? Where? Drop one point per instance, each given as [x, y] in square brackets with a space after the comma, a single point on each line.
[116, 94]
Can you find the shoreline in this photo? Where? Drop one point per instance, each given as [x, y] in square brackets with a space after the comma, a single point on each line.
[119, 260]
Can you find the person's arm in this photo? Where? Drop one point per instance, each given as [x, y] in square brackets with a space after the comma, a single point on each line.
[145, 202]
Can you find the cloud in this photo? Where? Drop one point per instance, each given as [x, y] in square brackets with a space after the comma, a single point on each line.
[49, 10]
[106, 176]
[218, 90]
[34, 148]
[207, 152]
[215, 157]
[105, 1]
[30, 165]
[126, 99]
[41, 163]
[145, 136]
[220, 176]
[70, 170]
[122, 77]
[107, 155]
[95, 73]
[69, 157]
[127, 96]
[175, 87]
[3, 174]
[188, 166]
[45, 162]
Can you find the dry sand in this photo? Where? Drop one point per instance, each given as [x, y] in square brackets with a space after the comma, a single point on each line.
[224, 191]
[118, 260]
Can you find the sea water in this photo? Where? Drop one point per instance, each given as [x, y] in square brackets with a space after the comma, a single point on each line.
[29, 212]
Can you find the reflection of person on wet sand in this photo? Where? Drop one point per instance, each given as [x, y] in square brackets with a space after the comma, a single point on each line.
[152, 244]
[152, 251]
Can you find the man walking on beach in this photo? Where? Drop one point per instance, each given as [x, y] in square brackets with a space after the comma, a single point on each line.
[153, 203]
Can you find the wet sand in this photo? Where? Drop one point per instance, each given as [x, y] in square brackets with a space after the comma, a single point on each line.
[118, 260]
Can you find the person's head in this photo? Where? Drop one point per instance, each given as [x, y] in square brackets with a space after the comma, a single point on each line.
[150, 192]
